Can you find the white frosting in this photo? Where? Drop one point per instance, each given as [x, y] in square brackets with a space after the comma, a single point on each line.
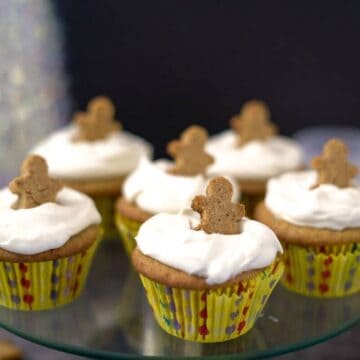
[290, 198]
[45, 227]
[154, 190]
[254, 160]
[171, 240]
[116, 155]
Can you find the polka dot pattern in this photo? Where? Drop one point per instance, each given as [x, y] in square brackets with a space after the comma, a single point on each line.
[45, 284]
[322, 271]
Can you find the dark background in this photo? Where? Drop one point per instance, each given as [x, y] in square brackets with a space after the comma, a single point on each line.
[168, 64]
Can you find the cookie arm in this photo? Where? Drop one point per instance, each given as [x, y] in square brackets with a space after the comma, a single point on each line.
[209, 159]
[198, 203]
[235, 123]
[317, 163]
[240, 211]
[173, 148]
[116, 126]
[273, 129]
[15, 185]
[353, 170]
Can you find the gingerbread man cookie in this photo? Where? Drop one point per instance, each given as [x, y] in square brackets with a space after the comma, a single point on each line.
[9, 351]
[333, 166]
[34, 186]
[253, 122]
[188, 152]
[218, 213]
[97, 122]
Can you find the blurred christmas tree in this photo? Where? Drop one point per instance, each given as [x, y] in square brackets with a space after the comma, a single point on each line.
[33, 88]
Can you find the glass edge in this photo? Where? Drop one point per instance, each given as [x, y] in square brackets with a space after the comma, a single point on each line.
[107, 355]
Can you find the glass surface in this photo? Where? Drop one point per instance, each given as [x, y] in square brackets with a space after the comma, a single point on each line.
[112, 320]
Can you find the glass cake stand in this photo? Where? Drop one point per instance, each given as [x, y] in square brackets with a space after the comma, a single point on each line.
[112, 320]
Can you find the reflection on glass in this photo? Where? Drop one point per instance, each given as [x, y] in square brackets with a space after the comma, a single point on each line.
[113, 318]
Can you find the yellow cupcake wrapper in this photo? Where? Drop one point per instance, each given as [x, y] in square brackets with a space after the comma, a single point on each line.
[322, 271]
[128, 230]
[212, 315]
[44, 284]
[105, 206]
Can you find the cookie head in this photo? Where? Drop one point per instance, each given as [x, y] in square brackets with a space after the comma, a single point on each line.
[195, 135]
[189, 152]
[34, 164]
[332, 165]
[218, 213]
[255, 110]
[101, 108]
[221, 188]
[335, 148]
[253, 122]
[97, 122]
[34, 186]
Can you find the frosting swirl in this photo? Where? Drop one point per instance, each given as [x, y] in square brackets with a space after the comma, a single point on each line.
[256, 160]
[47, 226]
[154, 190]
[116, 155]
[290, 198]
[171, 239]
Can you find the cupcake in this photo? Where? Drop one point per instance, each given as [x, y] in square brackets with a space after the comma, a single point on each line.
[163, 186]
[207, 277]
[48, 236]
[93, 155]
[252, 152]
[316, 215]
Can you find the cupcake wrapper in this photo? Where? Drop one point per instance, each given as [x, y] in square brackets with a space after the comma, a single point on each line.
[105, 206]
[44, 284]
[212, 315]
[322, 271]
[128, 229]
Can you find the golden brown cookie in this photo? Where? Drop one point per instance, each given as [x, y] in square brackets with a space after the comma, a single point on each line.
[304, 235]
[253, 122]
[333, 166]
[172, 277]
[9, 351]
[218, 213]
[97, 122]
[34, 186]
[188, 152]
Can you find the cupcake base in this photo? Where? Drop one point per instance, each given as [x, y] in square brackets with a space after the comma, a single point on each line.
[322, 271]
[105, 206]
[41, 285]
[214, 314]
[128, 229]
[318, 262]
[128, 219]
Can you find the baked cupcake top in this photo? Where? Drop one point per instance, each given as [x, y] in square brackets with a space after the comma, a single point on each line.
[94, 147]
[37, 214]
[326, 197]
[165, 186]
[217, 245]
[252, 150]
